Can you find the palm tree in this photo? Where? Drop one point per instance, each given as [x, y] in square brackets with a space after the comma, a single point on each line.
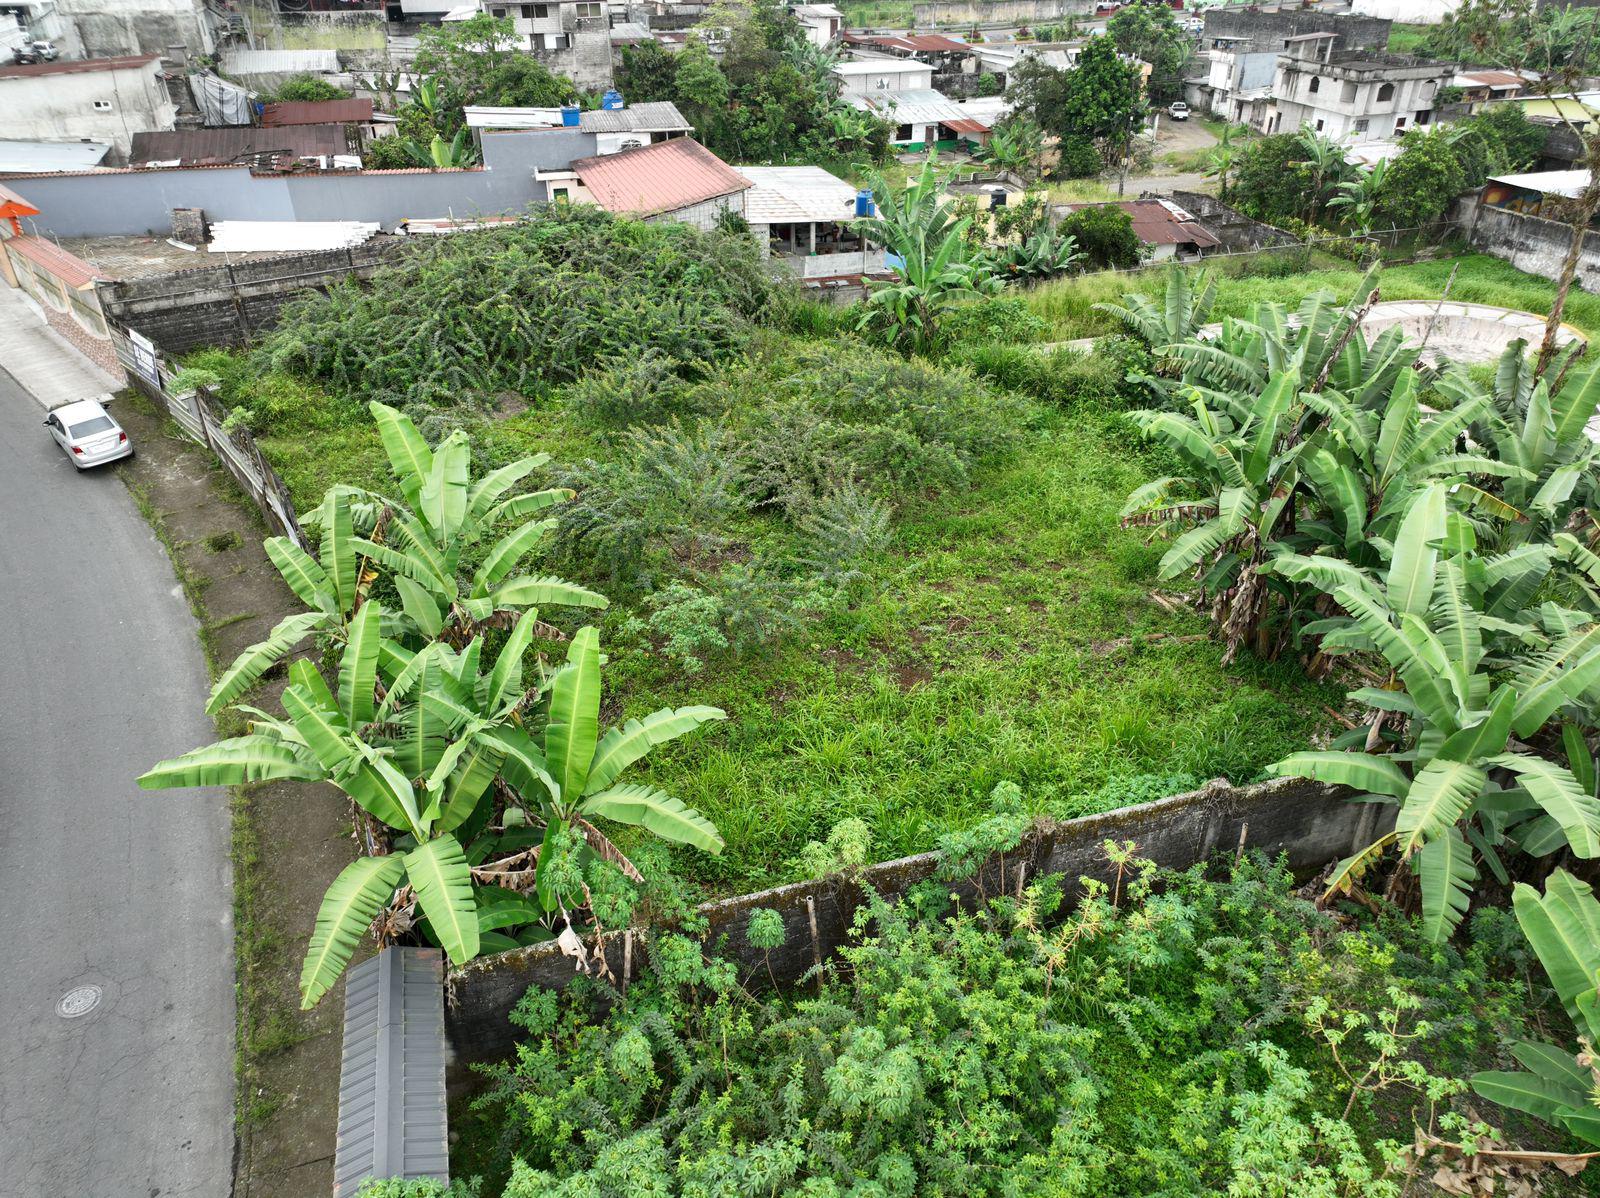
[934, 266]
[1016, 145]
[1224, 156]
[1360, 195]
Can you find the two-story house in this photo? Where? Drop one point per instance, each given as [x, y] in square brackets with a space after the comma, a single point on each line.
[1352, 95]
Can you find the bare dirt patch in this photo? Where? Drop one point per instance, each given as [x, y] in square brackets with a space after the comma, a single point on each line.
[289, 839]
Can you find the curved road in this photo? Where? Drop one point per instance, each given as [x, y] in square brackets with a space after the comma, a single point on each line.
[102, 884]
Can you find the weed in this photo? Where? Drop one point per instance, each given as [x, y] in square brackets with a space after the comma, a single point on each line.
[221, 542]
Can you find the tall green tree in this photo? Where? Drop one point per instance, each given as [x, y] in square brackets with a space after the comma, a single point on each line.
[1148, 31]
[1101, 99]
[1423, 180]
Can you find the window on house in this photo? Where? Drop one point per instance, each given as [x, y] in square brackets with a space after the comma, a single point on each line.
[1315, 84]
[1385, 92]
[1361, 125]
[903, 133]
[1423, 116]
[590, 8]
[1347, 94]
[102, 105]
[557, 41]
[499, 12]
[1320, 123]
[1399, 123]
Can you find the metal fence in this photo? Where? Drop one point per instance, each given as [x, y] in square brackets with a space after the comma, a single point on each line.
[198, 414]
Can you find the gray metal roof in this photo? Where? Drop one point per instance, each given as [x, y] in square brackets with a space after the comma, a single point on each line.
[392, 1120]
[636, 118]
[28, 157]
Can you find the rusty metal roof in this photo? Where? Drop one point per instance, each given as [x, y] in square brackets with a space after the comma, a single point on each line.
[78, 67]
[658, 178]
[317, 112]
[188, 146]
[55, 261]
[927, 43]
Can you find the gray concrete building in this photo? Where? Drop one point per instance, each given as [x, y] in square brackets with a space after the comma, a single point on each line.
[95, 99]
[1352, 95]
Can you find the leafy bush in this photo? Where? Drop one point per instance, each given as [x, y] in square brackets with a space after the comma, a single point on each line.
[995, 318]
[1174, 1035]
[828, 415]
[735, 611]
[647, 388]
[1104, 234]
[303, 88]
[1063, 376]
[1078, 159]
[467, 317]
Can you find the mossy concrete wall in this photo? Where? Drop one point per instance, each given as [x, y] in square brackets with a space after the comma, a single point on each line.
[1310, 823]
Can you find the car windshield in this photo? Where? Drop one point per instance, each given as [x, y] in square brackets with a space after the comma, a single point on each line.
[91, 426]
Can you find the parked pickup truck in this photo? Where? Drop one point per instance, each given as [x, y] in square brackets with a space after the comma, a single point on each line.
[1178, 111]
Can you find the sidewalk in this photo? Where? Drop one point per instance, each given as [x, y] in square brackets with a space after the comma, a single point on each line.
[44, 363]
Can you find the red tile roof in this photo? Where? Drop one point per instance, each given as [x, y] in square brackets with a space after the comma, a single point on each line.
[658, 178]
[55, 261]
[317, 112]
[77, 67]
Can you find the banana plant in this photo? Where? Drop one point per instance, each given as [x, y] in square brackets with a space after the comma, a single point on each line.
[442, 519]
[575, 771]
[1543, 435]
[1461, 793]
[1238, 497]
[1563, 926]
[1185, 306]
[1369, 461]
[417, 762]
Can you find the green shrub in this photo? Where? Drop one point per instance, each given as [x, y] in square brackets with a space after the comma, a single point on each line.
[996, 318]
[305, 88]
[647, 388]
[730, 613]
[461, 319]
[1065, 377]
[1175, 1035]
[1105, 236]
[1078, 159]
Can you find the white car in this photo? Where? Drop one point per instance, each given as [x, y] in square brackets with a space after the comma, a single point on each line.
[88, 434]
[1179, 111]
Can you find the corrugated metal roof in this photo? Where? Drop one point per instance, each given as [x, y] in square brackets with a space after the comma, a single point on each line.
[779, 194]
[1494, 78]
[392, 1119]
[225, 145]
[927, 43]
[969, 125]
[879, 66]
[1568, 184]
[69, 268]
[280, 62]
[317, 112]
[78, 67]
[252, 236]
[919, 106]
[659, 178]
[653, 116]
[52, 155]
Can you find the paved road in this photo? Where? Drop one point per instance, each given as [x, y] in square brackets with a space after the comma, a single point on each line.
[102, 884]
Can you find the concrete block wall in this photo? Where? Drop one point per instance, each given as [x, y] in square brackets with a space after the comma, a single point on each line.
[997, 12]
[1531, 243]
[1269, 30]
[1236, 230]
[1311, 824]
[227, 305]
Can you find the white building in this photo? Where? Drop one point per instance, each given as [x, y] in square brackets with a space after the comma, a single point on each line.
[873, 76]
[1352, 95]
[571, 37]
[95, 99]
[801, 215]
[1412, 12]
[821, 23]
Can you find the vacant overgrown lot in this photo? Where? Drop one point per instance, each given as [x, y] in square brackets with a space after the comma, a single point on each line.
[904, 584]
[1068, 304]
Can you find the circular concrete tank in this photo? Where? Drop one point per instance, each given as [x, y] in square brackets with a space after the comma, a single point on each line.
[1462, 333]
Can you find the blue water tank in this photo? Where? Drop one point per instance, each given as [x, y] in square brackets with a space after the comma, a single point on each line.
[569, 115]
[611, 101]
[864, 204]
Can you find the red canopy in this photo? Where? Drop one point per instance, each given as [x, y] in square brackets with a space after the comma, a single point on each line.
[13, 206]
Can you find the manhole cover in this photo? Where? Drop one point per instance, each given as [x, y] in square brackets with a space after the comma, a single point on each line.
[78, 1001]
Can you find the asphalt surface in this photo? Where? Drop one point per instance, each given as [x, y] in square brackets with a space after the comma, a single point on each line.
[102, 884]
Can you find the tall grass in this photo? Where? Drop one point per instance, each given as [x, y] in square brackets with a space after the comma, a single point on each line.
[1068, 304]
